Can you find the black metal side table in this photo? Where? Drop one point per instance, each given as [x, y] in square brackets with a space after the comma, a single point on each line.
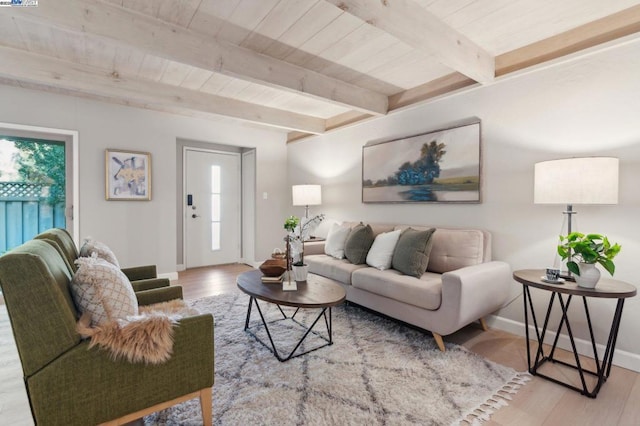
[606, 288]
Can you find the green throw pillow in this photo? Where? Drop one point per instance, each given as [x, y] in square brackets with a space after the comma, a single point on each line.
[411, 255]
[358, 244]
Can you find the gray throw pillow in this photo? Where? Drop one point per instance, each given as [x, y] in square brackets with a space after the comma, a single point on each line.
[358, 244]
[411, 255]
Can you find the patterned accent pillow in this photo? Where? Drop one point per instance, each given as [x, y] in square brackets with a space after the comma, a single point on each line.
[103, 290]
[91, 246]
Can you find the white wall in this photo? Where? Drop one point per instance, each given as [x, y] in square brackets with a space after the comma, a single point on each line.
[587, 107]
[142, 232]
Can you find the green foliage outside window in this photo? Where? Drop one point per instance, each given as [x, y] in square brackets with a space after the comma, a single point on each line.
[42, 163]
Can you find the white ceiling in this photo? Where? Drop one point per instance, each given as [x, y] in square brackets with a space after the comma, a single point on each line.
[305, 66]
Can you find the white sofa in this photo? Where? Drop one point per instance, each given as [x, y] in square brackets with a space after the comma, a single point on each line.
[461, 284]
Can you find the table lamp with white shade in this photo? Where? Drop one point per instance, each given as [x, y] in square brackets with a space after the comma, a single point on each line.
[571, 181]
[306, 195]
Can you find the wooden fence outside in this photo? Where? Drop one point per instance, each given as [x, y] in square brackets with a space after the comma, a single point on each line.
[24, 212]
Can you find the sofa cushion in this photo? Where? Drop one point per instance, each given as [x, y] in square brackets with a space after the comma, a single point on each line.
[102, 290]
[330, 267]
[424, 292]
[336, 239]
[358, 244]
[456, 248]
[411, 255]
[381, 252]
[91, 246]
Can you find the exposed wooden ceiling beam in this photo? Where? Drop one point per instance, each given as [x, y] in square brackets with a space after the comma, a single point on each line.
[181, 45]
[296, 136]
[437, 87]
[412, 24]
[604, 30]
[39, 69]
[612, 27]
[341, 120]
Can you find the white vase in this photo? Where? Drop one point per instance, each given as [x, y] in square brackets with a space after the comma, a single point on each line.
[300, 272]
[589, 275]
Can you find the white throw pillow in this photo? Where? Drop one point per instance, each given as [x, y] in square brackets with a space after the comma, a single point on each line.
[322, 231]
[103, 290]
[336, 239]
[381, 252]
[91, 246]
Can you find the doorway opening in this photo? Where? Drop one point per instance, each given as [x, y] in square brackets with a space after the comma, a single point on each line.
[216, 204]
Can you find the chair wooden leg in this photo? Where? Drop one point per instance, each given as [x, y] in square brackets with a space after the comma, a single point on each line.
[205, 403]
[205, 406]
[439, 340]
[483, 324]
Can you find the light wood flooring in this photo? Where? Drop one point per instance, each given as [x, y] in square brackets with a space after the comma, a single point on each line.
[538, 403]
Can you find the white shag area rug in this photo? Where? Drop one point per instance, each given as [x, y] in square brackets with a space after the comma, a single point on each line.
[377, 372]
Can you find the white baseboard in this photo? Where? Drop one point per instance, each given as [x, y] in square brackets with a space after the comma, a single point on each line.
[171, 275]
[624, 359]
[181, 268]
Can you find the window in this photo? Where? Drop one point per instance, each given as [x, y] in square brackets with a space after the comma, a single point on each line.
[215, 207]
[32, 188]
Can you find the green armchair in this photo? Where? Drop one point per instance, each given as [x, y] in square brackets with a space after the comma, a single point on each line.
[70, 384]
[141, 277]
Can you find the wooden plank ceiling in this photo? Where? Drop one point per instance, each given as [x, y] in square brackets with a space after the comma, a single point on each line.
[303, 66]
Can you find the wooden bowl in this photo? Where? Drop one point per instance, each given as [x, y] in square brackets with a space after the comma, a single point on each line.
[273, 267]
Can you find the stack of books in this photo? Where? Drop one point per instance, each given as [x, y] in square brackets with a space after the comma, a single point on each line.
[272, 280]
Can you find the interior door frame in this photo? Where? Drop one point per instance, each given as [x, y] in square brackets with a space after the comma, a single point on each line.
[248, 206]
[70, 140]
[247, 189]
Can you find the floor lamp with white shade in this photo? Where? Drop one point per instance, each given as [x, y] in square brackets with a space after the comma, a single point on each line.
[571, 181]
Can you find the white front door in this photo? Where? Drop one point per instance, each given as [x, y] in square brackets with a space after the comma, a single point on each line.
[212, 208]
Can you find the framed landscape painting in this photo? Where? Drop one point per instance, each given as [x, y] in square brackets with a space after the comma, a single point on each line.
[437, 167]
[128, 175]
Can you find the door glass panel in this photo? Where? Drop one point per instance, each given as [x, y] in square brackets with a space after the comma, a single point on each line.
[215, 179]
[215, 207]
[215, 235]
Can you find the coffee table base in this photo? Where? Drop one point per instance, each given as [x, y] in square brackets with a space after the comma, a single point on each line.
[308, 330]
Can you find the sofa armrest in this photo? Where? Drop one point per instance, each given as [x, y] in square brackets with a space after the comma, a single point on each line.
[85, 386]
[140, 272]
[158, 295]
[151, 283]
[470, 293]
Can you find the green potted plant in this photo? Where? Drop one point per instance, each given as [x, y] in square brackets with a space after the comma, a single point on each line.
[290, 225]
[583, 252]
[298, 232]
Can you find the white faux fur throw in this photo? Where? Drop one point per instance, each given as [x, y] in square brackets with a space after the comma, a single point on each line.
[147, 337]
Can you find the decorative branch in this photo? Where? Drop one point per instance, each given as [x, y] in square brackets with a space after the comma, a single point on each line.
[298, 231]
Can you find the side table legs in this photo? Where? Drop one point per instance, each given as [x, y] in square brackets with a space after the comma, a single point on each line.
[603, 368]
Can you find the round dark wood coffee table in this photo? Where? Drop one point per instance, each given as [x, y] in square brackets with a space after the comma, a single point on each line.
[315, 293]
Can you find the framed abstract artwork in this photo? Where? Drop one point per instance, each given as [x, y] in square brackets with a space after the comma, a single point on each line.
[442, 166]
[127, 175]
